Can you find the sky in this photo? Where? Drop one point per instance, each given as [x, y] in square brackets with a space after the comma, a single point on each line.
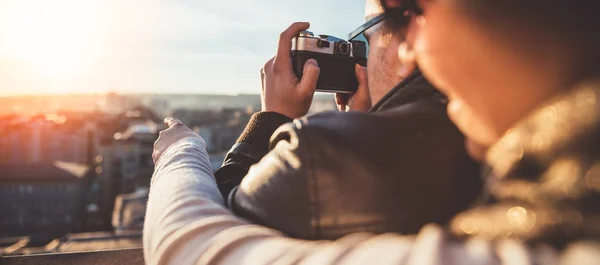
[152, 46]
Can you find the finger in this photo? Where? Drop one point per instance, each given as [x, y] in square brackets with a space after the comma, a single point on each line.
[361, 99]
[363, 83]
[262, 79]
[284, 47]
[167, 121]
[268, 65]
[310, 76]
[172, 122]
[263, 72]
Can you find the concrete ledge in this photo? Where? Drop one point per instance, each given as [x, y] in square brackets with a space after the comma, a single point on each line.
[107, 257]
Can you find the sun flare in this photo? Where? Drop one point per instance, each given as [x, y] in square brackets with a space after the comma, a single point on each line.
[57, 39]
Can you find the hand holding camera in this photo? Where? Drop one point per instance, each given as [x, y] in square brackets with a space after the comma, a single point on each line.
[342, 67]
[305, 64]
[361, 99]
[282, 90]
[337, 59]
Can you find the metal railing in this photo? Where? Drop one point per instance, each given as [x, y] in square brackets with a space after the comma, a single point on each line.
[105, 257]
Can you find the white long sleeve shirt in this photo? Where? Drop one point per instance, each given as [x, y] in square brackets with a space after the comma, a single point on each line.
[187, 223]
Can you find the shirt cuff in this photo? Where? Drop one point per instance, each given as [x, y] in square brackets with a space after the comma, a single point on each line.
[260, 128]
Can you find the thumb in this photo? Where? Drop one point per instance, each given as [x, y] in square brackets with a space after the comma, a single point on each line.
[363, 82]
[310, 75]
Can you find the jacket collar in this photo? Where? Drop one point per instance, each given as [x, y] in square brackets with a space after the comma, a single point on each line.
[414, 87]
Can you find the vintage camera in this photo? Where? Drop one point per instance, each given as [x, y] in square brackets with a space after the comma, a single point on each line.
[336, 59]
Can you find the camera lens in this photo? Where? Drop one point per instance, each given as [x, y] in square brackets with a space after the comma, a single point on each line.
[344, 48]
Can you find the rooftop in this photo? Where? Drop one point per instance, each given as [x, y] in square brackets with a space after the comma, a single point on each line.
[43, 172]
[73, 243]
[133, 256]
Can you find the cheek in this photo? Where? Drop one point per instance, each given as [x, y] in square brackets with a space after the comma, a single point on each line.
[373, 64]
[446, 51]
[374, 53]
[440, 55]
[395, 66]
[450, 67]
[470, 124]
[383, 64]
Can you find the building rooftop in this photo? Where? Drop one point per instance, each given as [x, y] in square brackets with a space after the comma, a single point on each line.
[42, 172]
[71, 243]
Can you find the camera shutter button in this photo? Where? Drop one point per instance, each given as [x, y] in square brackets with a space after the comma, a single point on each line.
[305, 33]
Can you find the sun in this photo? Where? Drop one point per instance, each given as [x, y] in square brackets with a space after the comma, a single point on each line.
[59, 39]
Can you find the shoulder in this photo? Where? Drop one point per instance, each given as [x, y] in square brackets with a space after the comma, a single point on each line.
[346, 172]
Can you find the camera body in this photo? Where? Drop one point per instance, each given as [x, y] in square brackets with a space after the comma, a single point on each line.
[336, 58]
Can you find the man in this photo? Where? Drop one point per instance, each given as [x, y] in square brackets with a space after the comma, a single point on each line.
[352, 151]
[406, 145]
[283, 105]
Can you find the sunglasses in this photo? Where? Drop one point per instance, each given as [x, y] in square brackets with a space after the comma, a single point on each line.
[361, 34]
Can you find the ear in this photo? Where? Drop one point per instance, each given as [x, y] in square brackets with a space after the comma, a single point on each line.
[412, 31]
[406, 48]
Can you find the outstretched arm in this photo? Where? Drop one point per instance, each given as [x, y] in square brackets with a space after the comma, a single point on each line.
[187, 223]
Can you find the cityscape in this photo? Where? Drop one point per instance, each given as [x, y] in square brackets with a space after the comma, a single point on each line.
[75, 169]
[84, 90]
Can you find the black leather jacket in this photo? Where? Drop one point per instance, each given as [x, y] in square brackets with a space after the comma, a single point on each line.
[394, 169]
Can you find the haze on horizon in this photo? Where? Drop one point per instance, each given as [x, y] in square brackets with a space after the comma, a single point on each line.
[160, 46]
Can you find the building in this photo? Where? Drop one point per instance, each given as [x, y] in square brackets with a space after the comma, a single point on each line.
[130, 210]
[133, 148]
[206, 134]
[72, 243]
[44, 200]
[219, 128]
[46, 138]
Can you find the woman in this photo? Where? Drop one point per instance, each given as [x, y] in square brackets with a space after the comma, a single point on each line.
[535, 101]
[520, 77]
